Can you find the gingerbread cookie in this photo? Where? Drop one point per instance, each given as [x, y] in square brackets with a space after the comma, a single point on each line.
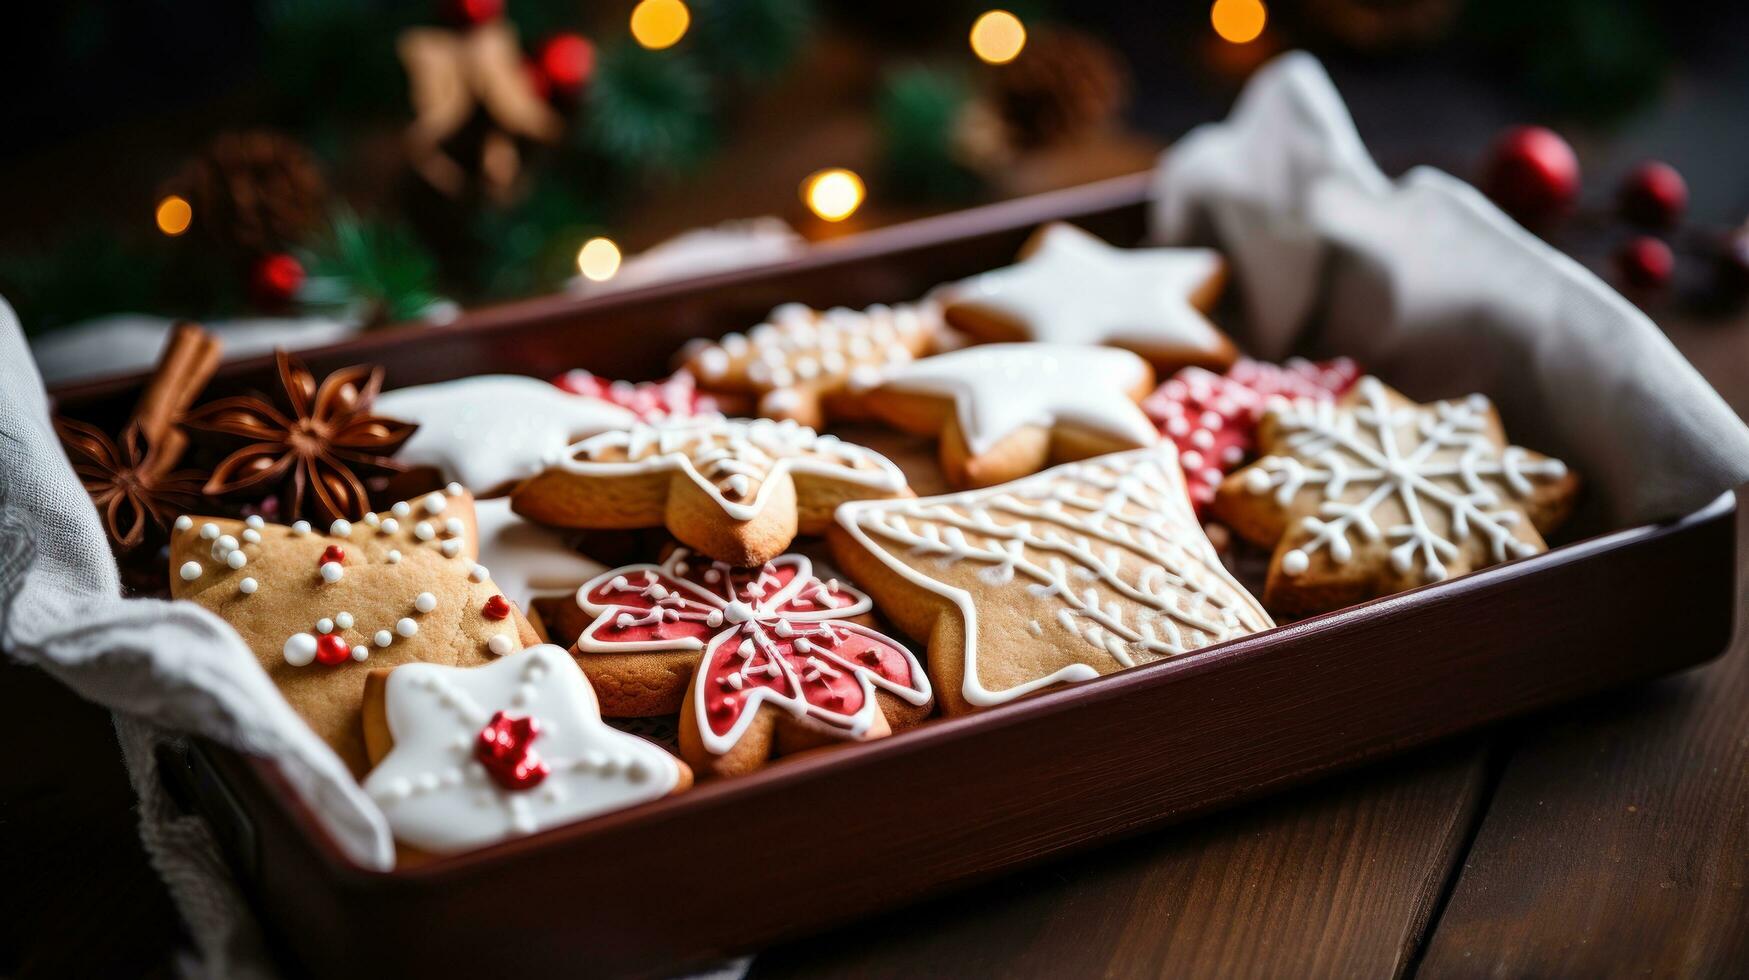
[1376, 494]
[491, 431]
[1005, 410]
[1075, 572]
[808, 365]
[771, 660]
[675, 395]
[1072, 288]
[469, 757]
[739, 490]
[1212, 418]
[319, 607]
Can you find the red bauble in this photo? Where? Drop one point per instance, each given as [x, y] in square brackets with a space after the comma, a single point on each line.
[1645, 262]
[1532, 174]
[567, 62]
[1653, 196]
[276, 279]
[473, 13]
[332, 650]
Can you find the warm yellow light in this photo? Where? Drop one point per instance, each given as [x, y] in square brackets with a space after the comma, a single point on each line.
[833, 194]
[174, 215]
[998, 36]
[658, 24]
[598, 259]
[1238, 21]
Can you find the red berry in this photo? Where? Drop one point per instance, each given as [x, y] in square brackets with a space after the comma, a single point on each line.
[275, 279]
[331, 649]
[1645, 262]
[1532, 174]
[496, 607]
[567, 61]
[332, 553]
[1653, 196]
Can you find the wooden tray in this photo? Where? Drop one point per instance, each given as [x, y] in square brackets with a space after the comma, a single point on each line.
[733, 866]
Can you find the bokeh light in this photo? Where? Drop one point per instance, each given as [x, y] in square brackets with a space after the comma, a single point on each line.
[1238, 21]
[174, 215]
[598, 259]
[833, 194]
[658, 24]
[997, 37]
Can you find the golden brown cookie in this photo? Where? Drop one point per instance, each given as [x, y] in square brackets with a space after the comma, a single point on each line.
[739, 490]
[1002, 411]
[1376, 494]
[319, 608]
[760, 662]
[1072, 288]
[463, 758]
[1075, 572]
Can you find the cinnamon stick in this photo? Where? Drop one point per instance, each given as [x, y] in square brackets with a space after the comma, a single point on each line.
[190, 357]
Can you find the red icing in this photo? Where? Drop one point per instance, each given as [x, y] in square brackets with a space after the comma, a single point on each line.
[1212, 418]
[496, 607]
[506, 748]
[331, 649]
[676, 396]
[768, 629]
[332, 553]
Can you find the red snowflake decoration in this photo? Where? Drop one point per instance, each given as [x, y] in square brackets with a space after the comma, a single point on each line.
[1212, 418]
[773, 634]
[676, 396]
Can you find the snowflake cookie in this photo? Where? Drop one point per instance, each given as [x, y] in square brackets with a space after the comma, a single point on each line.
[777, 658]
[807, 365]
[321, 606]
[739, 490]
[674, 396]
[1070, 287]
[1375, 494]
[1078, 571]
[469, 757]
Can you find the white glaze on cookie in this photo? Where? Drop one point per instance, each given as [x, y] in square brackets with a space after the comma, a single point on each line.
[440, 798]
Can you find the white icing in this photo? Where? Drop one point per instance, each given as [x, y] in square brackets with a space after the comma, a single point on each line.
[439, 799]
[527, 560]
[1063, 530]
[1438, 459]
[998, 389]
[711, 450]
[1076, 289]
[487, 431]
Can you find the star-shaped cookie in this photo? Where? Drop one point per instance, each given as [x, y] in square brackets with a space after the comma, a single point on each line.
[1375, 494]
[321, 606]
[738, 490]
[491, 431]
[1005, 410]
[1072, 288]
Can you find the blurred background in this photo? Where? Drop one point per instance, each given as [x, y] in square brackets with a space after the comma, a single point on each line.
[293, 170]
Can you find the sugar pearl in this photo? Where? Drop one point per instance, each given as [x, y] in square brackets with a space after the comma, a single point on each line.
[248, 586]
[301, 528]
[255, 521]
[450, 548]
[225, 544]
[401, 509]
[425, 602]
[499, 644]
[184, 522]
[332, 572]
[361, 653]
[383, 638]
[324, 625]
[190, 571]
[341, 528]
[405, 626]
[393, 557]
[453, 526]
[478, 573]
[454, 489]
[343, 620]
[424, 531]
[300, 649]
[209, 531]
[237, 559]
[434, 503]
[372, 520]
[251, 536]
[391, 526]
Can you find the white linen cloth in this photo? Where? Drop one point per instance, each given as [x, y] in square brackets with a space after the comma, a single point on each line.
[1429, 285]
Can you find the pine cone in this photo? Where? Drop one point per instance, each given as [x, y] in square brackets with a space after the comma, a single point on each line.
[254, 191]
[1063, 83]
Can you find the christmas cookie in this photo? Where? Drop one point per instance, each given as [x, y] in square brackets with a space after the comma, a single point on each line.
[675, 395]
[758, 661]
[1005, 410]
[1375, 494]
[491, 431]
[463, 758]
[1212, 418]
[1071, 288]
[739, 490]
[1075, 572]
[808, 365]
[320, 606]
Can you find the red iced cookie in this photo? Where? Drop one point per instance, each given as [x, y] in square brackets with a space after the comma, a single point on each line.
[674, 396]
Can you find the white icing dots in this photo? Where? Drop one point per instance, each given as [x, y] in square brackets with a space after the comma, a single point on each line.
[299, 649]
[401, 509]
[453, 526]
[1295, 562]
[453, 489]
[237, 559]
[184, 522]
[425, 602]
[209, 531]
[360, 652]
[189, 571]
[393, 557]
[254, 522]
[406, 626]
[251, 536]
[341, 528]
[300, 528]
[424, 531]
[383, 638]
[332, 572]
[391, 526]
[343, 620]
[434, 503]
[450, 548]
[500, 644]
[248, 586]
[478, 573]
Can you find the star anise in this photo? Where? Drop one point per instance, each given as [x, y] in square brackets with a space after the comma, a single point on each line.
[124, 481]
[324, 449]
